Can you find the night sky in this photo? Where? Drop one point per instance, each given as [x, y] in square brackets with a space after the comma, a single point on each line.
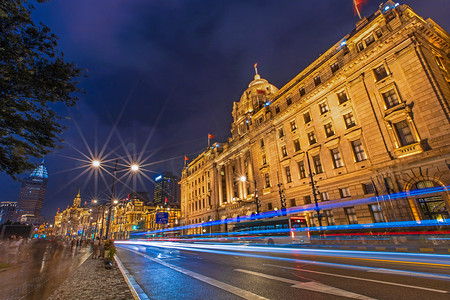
[162, 74]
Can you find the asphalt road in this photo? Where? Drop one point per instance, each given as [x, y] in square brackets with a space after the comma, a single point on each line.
[202, 271]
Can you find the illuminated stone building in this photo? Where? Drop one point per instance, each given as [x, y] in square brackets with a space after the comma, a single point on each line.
[74, 220]
[32, 195]
[369, 117]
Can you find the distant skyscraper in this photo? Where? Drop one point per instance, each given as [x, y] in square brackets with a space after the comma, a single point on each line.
[7, 211]
[167, 190]
[32, 193]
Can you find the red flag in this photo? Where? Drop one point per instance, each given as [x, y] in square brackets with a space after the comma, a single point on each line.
[357, 4]
[210, 136]
[186, 158]
[166, 200]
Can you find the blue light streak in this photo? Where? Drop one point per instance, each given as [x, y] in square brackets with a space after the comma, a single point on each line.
[324, 206]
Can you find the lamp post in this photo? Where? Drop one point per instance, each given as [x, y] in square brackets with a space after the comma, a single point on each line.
[314, 191]
[255, 193]
[97, 164]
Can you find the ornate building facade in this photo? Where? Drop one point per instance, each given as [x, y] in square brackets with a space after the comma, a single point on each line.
[74, 220]
[370, 116]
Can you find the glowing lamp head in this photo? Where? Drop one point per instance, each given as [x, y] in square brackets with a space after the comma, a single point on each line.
[96, 163]
[95, 200]
[116, 201]
[134, 168]
[243, 179]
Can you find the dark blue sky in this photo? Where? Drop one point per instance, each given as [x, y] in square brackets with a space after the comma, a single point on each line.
[173, 68]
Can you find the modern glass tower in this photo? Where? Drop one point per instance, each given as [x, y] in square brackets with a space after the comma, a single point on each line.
[32, 193]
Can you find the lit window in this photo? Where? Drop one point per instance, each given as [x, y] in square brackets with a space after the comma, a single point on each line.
[345, 192]
[317, 80]
[280, 133]
[329, 216]
[288, 174]
[312, 138]
[288, 101]
[266, 176]
[377, 213]
[307, 199]
[277, 109]
[293, 125]
[390, 98]
[378, 33]
[324, 196]
[439, 62]
[264, 159]
[337, 160]
[380, 72]
[404, 133]
[360, 46]
[323, 108]
[284, 151]
[301, 169]
[369, 40]
[351, 215]
[334, 67]
[317, 164]
[307, 117]
[342, 97]
[296, 145]
[349, 120]
[368, 188]
[329, 129]
[358, 150]
[302, 91]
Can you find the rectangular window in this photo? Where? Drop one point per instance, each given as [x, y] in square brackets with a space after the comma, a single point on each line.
[344, 192]
[369, 40]
[262, 143]
[390, 98]
[293, 202]
[351, 215]
[358, 150]
[307, 199]
[296, 145]
[277, 109]
[312, 138]
[280, 132]
[404, 133]
[307, 117]
[288, 174]
[283, 151]
[323, 107]
[302, 91]
[317, 164]
[334, 67]
[368, 188]
[380, 72]
[324, 196]
[377, 213]
[378, 33]
[329, 131]
[360, 46]
[342, 97]
[330, 217]
[349, 120]
[288, 101]
[269, 206]
[293, 125]
[301, 169]
[267, 178]
[337, 160]
[264, 159]
[317, 80]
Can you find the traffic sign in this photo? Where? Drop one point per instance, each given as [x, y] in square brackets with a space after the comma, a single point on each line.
[162, 217]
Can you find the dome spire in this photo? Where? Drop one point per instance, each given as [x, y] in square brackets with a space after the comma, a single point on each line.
[256, 68]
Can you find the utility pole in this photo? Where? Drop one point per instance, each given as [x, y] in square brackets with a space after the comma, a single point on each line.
[282, 196]
[314, 191]
[257, 202]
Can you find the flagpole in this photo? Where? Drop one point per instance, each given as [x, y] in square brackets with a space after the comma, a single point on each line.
[208, 141]
[357, 10]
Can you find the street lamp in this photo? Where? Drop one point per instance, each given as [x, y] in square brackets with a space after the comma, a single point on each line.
[255, 193]
[112, 201]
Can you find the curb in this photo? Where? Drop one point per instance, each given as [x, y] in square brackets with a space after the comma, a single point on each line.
[136, 290]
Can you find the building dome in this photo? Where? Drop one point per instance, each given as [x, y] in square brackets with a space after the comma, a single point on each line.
[254, 98]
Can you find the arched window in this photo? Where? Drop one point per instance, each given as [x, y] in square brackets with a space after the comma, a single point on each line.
[432, 206]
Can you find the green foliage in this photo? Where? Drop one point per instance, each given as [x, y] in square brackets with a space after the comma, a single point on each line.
[34, 79]
[111, 248]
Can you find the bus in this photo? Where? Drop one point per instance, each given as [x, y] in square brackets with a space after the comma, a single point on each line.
[278, 230]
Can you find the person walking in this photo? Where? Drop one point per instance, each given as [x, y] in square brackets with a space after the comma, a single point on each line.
[95, 248]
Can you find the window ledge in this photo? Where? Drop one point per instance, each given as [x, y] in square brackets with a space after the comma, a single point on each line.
[408, 150]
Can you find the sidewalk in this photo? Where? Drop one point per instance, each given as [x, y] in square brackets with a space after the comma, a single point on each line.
[92, 281]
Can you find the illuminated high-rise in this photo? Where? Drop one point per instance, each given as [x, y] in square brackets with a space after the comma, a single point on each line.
[32, 193]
